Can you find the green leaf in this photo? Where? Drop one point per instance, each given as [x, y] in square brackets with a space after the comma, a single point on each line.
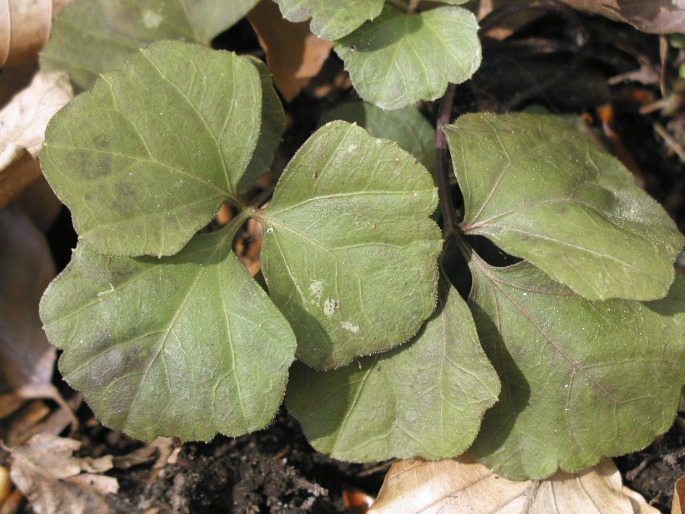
[187, 346]
[146, 157]
[349, 251]
[331, 19]
[407, 127]
[91, 37]
[424, 399]
[273, 126]
[580, 379]
[542, 191]
[401, 58]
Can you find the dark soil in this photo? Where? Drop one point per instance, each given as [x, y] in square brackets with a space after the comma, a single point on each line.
[272, 471]
[653, 471]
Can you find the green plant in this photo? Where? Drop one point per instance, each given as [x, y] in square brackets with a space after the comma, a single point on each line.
[166, 333]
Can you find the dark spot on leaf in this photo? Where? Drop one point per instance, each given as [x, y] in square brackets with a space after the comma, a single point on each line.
[101, 141]
[91, 166]
[125, 189]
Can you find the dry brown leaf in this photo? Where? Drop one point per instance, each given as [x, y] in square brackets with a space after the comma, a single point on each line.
[15, 78]
[463, 485]
[26, 268]
[25, 27]
[654, 16]
[158, 450]
[294, 55]
[22, 130]
[52, 479]
[678, 505]
[9, 402]
[22, 425]
[40, 203]
[5, 484]
[18, 176]
[24, 118]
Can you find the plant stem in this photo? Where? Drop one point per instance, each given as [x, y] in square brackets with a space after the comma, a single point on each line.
[261, 198]
[442, 165]
[234, 225]
[464, 248]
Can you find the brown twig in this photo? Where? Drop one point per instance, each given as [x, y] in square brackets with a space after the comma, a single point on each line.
[670, 140]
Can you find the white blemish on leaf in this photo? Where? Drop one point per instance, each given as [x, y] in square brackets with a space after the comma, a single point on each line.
[330, 306]
[316, 290]
[349, 326]
[108, 291]
[151, 19]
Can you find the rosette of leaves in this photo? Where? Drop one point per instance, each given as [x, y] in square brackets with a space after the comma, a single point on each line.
[164, 330]
[166, 333]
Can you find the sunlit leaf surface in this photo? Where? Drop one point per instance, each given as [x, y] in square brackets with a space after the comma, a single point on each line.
[580, 379]
[544, 192]
[146, 158]
[399, 58]
[424, 399]
[187, 346]
[349, 251]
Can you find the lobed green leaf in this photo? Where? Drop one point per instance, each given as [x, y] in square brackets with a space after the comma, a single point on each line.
[424, 399]
[146, 157]
[92, 37]
[399, 59]
[542, 191]
[187, 346]
[580, 379]
[407, 127]
[331, 19]
[349, 251]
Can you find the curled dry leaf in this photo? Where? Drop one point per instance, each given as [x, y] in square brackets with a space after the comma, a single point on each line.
[5, 484]
[24, 28]
[22, 130]
[26, 357]
[56, 482]
[678, 506]
[24, 119]
[294, 55]
[23, 171]
[15, 78]
[463, 485]
[39, 203]
[655, 16]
